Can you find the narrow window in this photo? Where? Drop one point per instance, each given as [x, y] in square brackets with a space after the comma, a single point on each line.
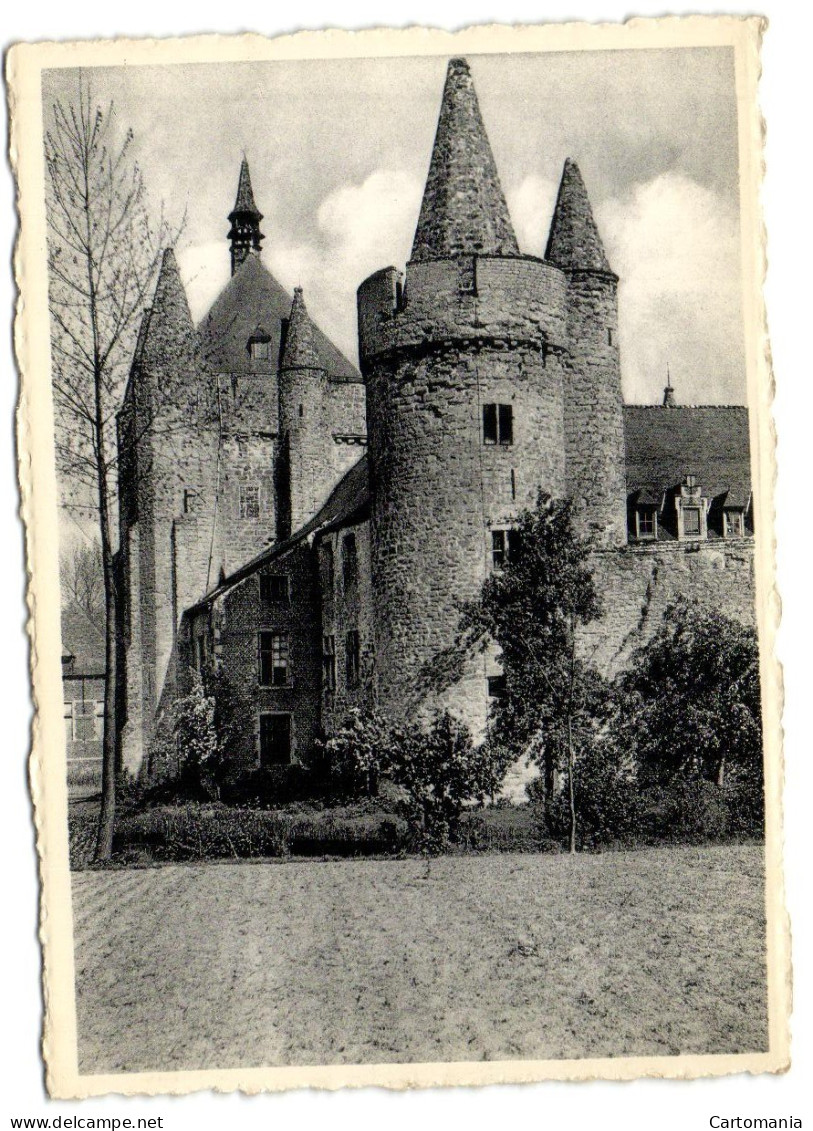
[301, 410]
[352, 658]
[190, 496]
[506, 421]
[200, 652]
[513, 484]
[329, 663]
[274, 660]
[328, 569]
[67, 714]
[349, 561]
[609, 336]
[275, 588]
[489, 424]
[498, 548]
[249, 500]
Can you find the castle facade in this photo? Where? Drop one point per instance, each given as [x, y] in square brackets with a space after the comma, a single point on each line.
[311, 530]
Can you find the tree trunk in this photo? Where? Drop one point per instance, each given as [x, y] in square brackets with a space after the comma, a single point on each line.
[571, 787]
[721, 772]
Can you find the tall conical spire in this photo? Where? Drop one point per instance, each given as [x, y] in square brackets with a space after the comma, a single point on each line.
[463, 210]
[299, 351]
[245, 234]
[169, 338]
[668, 391]
[574, 243]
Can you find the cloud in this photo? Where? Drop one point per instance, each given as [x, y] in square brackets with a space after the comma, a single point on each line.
[675, 246]
[205, 269]
[531, 206]
[359, 229]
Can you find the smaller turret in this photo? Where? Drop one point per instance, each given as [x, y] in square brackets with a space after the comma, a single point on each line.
[574, 243]
[668, 392]
[245, 217]
[304, 468]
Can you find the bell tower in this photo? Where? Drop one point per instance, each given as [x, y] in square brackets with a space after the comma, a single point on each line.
[245, 235]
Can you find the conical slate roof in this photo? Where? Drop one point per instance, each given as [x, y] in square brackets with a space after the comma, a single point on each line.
[245, 195]
[463, 210]
[299, 351]
[574, 242]
[169, 339]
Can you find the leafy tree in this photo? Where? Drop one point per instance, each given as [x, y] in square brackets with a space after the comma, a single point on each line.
[103, 255]
[555, 703]
[690, 699]
[441, 770]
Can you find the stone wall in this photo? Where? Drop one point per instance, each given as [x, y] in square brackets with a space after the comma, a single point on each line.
[637, 584]
[346, 608]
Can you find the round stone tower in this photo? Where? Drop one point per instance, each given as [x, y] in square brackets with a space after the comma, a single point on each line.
[463, 361]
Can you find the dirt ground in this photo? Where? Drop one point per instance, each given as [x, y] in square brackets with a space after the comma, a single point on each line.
[652, 952]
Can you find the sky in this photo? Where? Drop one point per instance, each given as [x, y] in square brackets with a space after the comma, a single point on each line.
[339, 151]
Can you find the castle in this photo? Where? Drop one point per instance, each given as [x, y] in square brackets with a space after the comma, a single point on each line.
[311, 530]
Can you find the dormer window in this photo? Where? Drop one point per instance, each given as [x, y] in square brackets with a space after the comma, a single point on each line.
[646, 523]
[259, 345]
[734, 523]
[692, 509]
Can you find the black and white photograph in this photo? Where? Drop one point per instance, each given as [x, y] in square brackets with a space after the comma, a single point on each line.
[396, 464]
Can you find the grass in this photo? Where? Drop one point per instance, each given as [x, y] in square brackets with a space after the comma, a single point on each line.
[654, 952]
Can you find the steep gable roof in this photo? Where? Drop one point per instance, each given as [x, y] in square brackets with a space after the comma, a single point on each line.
[463, 209]
[666, 443]
[254, 296]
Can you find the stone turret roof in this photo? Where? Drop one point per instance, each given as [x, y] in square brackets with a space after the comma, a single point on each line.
[245, 195]
[254, 296]
[666, 443]
[463, 210]
[299, 350]
[167, 342]
[574, 242]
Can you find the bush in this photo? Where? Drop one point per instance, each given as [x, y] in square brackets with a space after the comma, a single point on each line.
[269, 787]
[500, 828]
[201, 832]
[685, 811]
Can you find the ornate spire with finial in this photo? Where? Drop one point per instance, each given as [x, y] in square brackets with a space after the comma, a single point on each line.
[245, 217]
[574, 243]
[463, 210]
[668, 392]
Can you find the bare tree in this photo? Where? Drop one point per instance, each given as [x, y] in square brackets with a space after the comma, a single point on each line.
[82, 578]
[104, 249]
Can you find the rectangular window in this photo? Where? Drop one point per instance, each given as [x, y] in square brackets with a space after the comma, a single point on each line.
[349, 561]
[498, 424]
[734, 524]
[352, 659]
[200, 653]
[190, 500]
[691, 521]
[504, 547]
[647, 522]
[274, 659]
[275, 739]
[329, 663]
[260, 351]
[275, 588]
[249, 500]
[496, 686]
